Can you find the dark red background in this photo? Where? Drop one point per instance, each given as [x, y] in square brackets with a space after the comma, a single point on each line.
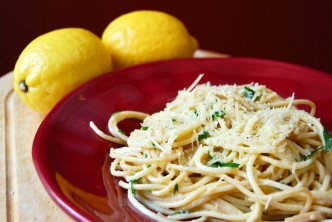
[292, 31]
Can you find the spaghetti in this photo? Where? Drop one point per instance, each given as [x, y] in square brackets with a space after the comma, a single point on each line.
[229, 152]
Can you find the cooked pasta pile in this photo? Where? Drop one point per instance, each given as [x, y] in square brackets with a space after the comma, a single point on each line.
[229, 152]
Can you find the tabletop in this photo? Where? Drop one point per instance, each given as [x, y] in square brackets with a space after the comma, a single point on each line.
[22, 195]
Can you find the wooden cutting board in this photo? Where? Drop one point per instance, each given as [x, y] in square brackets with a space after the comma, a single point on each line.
[22, 196]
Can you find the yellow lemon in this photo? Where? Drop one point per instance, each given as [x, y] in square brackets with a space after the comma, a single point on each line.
[144, 36]
[57, 62]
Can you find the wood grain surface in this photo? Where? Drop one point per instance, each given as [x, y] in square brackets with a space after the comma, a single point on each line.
[22, 195]
[23, 198]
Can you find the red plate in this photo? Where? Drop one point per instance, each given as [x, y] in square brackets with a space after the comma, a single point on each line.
[70, 158]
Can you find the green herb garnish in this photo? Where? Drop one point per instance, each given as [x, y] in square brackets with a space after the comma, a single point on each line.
[327, 139]
[326, 148]
[309, 155]
[145, 127]
[122, 132]
[258, 98]
[218, 114]
[196, 112]
[181, 212]
[204, 135]
[133, 191]
[173, 120]
[220, 164]
[176, 188]
[153, 145]
[249, 93]
[149, 166]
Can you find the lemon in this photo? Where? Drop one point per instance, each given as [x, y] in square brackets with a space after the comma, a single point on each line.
[144, 36]
[57, 62]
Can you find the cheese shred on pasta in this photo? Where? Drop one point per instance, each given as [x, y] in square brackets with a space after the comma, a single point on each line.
[229, 152]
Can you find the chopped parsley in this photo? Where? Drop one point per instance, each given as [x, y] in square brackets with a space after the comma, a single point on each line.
[145, 127]
[120, 131]
[258, 98]
[181, 212]
[149, 166]
[133, 191]
[217, 114]
[203, 135]
[173, 120]
[327, 139]
[326, 148]
[176, 188]
[221, 164]
[153, 145]
[196, 112]
[309, 155]
[249, 93]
